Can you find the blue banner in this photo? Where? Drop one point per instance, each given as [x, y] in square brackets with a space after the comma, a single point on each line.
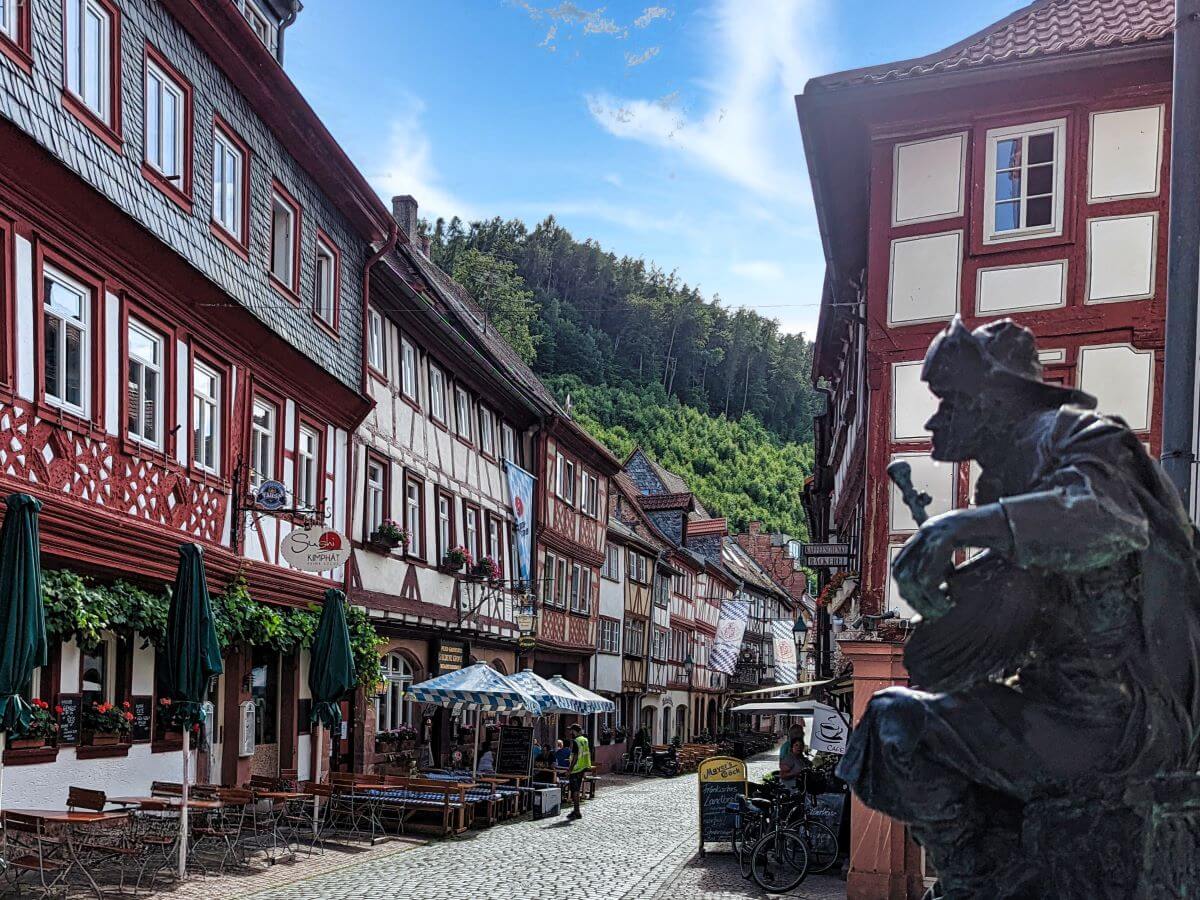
[520, 491]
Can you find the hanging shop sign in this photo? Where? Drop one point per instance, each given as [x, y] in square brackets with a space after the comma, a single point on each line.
[451, 656]
[520, 489]
[316, 549]
[271, 496]
[829, 730]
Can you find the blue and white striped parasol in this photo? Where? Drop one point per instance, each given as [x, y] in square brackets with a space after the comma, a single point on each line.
[593, 702]
[477, 687]
[551, 697]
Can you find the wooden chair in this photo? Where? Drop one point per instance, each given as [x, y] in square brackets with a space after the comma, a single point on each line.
[31, 848]
[166, 789]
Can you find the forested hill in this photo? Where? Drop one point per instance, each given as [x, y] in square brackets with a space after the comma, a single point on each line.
[570, 308]
[719, 396]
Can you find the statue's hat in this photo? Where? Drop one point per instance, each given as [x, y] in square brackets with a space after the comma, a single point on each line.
[999, 353]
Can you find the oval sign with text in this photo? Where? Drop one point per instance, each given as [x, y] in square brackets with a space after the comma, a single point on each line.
[316, 549]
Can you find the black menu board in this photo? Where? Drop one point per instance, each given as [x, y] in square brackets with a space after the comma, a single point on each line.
[515, 754]
[721, 779]
[142, 708]
[70, 721]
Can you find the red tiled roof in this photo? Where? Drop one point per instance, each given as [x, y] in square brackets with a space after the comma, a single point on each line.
[666, 501]
[698, 527]
[1044, 28]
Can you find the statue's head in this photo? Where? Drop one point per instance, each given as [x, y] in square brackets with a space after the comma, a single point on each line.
[985, 380]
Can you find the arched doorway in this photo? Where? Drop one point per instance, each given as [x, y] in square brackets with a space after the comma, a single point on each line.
[649, 714]
[667, 722]
[498, 665]
[712, 717]
[681, 720]
[392, 710]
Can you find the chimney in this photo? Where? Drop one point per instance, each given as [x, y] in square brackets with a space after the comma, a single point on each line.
[755, 527]
[404, 210]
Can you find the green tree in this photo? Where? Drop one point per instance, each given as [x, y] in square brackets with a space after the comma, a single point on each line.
[501, 292]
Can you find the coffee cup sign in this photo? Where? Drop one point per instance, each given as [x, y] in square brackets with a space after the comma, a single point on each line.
[316, 549]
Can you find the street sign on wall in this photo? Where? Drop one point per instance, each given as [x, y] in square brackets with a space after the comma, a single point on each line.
[827, 561]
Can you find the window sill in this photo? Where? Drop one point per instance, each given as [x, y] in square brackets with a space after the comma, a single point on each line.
[180, 196]
[464, 441]
[93, 122]
[289, 293]
[375, 373]
[19, 56]
[167, 745]
[219, 232]
[411, 402]
[1018, 245]
[438, 423]
[72, 421]
[329, 328]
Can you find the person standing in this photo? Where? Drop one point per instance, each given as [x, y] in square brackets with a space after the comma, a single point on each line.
[792, 757]
[581, 761]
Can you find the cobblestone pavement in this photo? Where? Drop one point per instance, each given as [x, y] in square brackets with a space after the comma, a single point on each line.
[637, 839]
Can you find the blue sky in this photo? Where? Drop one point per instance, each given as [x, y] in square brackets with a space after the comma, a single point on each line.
[665, 130]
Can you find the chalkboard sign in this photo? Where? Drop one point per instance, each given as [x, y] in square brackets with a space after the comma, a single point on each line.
[303, 713]
[828, 809]
[70, 720]
[142, 709]
[515, 754]
[721, 780]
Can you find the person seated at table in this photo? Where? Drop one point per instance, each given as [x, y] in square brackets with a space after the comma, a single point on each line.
[487, 761]
[562, 755]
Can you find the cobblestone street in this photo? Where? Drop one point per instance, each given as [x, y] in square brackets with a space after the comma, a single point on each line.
[636, 840]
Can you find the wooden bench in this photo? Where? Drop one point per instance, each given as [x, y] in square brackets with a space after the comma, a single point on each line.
[445, 801]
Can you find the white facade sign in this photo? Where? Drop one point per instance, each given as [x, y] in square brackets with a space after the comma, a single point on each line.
[316, 549]
[829, 730]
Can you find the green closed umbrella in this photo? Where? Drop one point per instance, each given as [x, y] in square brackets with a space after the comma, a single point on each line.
[22, 614]
[330, 673]
[191, 657]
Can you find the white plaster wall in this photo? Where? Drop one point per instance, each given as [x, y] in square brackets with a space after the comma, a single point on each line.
[608, 673]
[929, 475]
[1013, 288]
[912, 402]
[1122, 379]
[923, 284]
[44, 786]
[612, 598]
[928, 179]
[1125, 153]
[1121, 252]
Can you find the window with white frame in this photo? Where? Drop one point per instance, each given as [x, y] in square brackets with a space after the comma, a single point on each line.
[412, 514]
[662, 591]
[144, 384]
[325, 287]
[471, 530]
[565, 480]
[487, 431]
[394, 710]
[262, 442]
[635, 637]
[548, 569]
[445, 525]
[1024, 186]
[408, 369]
[610, 636]
[437, 394]
[229, 174]
[612, 563]
[493, 540]
[88, 32]
[376, 356]
[658, 647]
[462, 413]
[375, 506]
[508, 443]
[284, 236]
[562, 579]
[637, 567]
[165, 123]
[206, 417]
[308, 456]
[260, 24]
[9, 22]
[66, 332]
[590, 501]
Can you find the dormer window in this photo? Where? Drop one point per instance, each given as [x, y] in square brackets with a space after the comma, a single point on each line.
[260, 24]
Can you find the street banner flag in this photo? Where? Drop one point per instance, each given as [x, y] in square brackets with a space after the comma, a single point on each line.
[520, 491]
[730, 628]
[785, 651]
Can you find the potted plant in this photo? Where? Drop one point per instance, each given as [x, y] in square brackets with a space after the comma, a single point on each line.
[389, 535]
[620, 734]
[456, 558]
[487, 568]
[406, 736]
[105, 723]
[43, 726]
[606, 735]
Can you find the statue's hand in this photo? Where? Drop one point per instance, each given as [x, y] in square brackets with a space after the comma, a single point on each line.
[924, 563]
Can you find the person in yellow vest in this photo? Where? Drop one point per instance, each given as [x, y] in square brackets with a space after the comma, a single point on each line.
[581, 761]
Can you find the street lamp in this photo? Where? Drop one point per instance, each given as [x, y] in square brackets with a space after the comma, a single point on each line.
[689, 664]
[799, 630]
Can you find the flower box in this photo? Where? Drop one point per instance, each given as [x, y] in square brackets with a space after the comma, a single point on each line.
[100, 738]
[388, 536]
[29, 743]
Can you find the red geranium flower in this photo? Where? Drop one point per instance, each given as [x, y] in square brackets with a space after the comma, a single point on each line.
[128, 717]
[196, 728]
[58, 710]
[125, 704]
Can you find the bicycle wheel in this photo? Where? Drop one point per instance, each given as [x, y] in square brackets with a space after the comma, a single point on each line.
[780, 861]
[822, 846]
[750, 836]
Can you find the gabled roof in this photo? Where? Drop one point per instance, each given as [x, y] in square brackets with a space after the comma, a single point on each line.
[700, 527]
[684, 501]
[672, 482]
[745, 567]
[636, 519]
[1044, 28]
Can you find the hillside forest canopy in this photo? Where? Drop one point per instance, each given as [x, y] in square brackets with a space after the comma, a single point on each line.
[720, 396]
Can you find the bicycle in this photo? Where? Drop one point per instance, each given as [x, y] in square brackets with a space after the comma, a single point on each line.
[821, 841]
[769, 851]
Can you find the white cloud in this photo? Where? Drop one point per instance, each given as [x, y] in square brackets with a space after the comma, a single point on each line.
[758, 270]
[636, 59]
[650, 14]
[409, 169]
[762, 55]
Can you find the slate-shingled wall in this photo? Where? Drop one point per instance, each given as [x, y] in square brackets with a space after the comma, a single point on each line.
[33, 104]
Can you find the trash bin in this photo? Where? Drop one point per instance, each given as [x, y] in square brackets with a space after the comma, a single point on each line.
[739, 749]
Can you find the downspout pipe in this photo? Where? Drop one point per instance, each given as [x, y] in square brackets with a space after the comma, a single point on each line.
[1183, 256]
[389, 244]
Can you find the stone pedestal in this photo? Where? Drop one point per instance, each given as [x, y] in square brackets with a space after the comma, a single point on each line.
[884, 862]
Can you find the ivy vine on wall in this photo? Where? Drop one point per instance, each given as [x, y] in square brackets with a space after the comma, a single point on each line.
[78, 607]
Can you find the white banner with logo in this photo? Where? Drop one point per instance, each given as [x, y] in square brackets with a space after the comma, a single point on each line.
[730, 628]
[785, 651]
[520, 489]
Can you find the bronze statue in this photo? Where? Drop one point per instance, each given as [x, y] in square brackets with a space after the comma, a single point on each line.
[1065, 657]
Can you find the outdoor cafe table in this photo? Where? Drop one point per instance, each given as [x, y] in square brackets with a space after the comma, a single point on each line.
[66, 821]
[280, 803]
[158, 804]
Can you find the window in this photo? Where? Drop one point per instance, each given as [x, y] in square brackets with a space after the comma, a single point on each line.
[508, 443]
[67, 335]
[413, 514]
[308, 454]
[394, 710]
[591, 494]
[658, 648]
[98, 672]
[548, 569]
[263, 417]
[206, 417]
[610, 636]
[264, 691]
[635, 637]
[375, 506]
[376, 356]
[471, 530]
[445, 525]
[259, 23]
[581, 589]
[565, 480]
[662, 595]
[285, 234]
[229, 185]
[637, 567]
[462, 413]
[89, 49]
[612, 563]
[408, 369]
[562, 582]
[487, 431]
[165, 136]
[9, 20]
[495, 550]
[1024, 186]
[325, 283]
[437, 394]
[144, 384]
